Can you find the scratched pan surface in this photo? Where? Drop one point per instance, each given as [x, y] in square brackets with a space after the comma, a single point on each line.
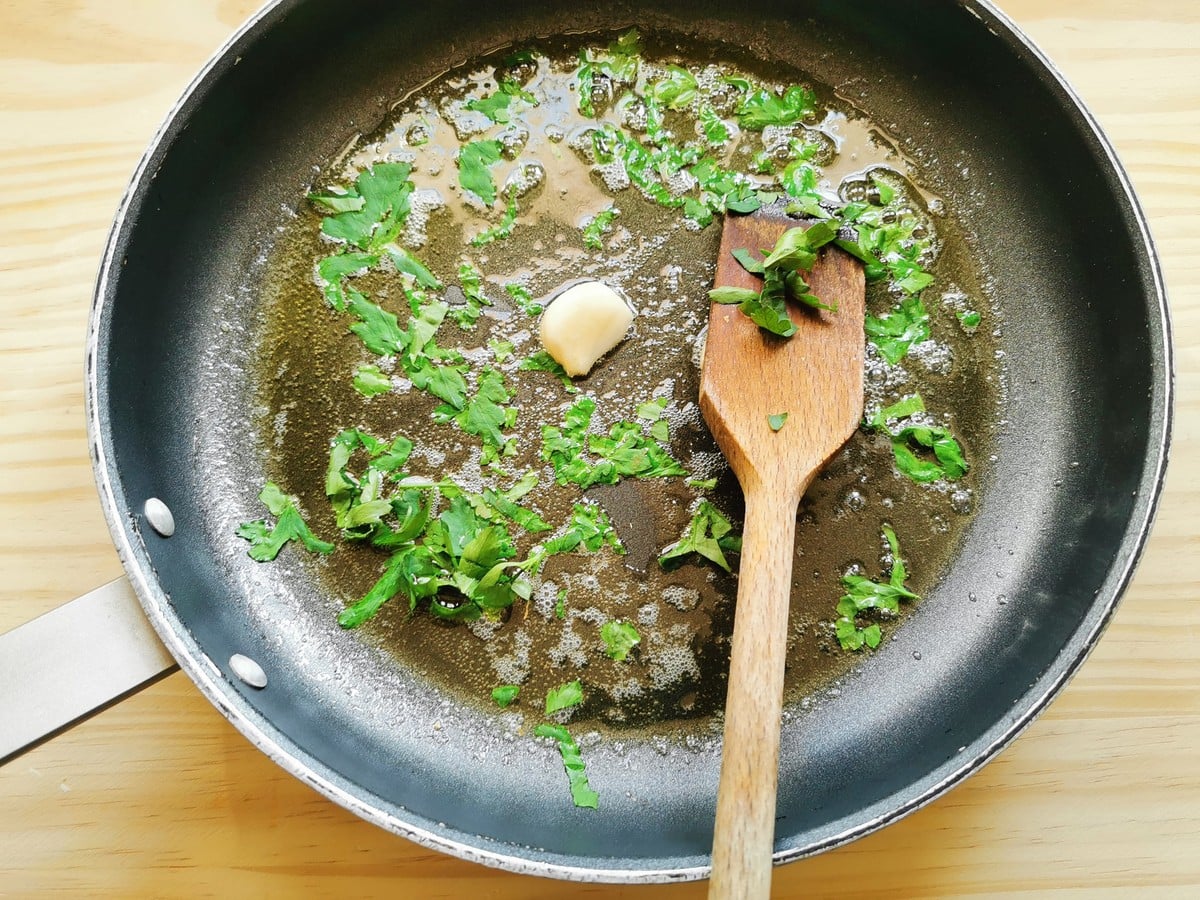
[1062, 513]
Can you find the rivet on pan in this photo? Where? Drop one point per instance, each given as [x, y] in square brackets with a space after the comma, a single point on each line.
[248, 670]
[158, 514]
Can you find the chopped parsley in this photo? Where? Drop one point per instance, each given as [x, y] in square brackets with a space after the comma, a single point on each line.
[544, 362]
[776, 421]
[523, 298]
[266, 541]
[597, 226]
[677, 90]
[474, 174]
[913, 443]
[759, 108]
[625, 451]
[485, 415]
[618, 66]
[470, 280]
[369, 380]
[499, 106]
[709, 535]
[864, 596]
[501, 229]
[895, 331]
[581, 792]
[564, 696]
[794, 253]
[371, 212]
[619, 638]
[505, 694]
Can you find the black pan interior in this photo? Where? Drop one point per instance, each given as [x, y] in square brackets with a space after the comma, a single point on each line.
[1061, 516]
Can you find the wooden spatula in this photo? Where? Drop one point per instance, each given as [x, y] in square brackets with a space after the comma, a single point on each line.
[747, 377]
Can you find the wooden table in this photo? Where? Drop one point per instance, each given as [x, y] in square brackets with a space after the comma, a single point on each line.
[160, 796]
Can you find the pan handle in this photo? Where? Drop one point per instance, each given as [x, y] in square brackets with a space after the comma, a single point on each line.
[74, 661]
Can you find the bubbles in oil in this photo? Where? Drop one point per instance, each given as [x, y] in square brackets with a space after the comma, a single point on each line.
[549, 166]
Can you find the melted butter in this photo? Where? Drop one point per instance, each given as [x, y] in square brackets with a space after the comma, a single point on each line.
[677, 674]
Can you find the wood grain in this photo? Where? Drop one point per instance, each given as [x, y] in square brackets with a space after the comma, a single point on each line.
[160, 797]
[815, 377]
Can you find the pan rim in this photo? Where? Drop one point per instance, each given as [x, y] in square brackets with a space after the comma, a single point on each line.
[219, 691]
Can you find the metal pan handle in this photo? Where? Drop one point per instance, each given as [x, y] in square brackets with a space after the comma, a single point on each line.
[74, 661]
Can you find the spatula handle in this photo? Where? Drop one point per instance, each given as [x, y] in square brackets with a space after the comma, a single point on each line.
[744, 834]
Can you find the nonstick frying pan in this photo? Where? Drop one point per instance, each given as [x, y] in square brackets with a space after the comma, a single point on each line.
[1088, 355]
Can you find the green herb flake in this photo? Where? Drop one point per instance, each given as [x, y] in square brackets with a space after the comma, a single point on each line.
[470, 280]
[598, 226]
[709, 535]
[581, 793]
[542, 361]
[501, 229]
[523, 298]
[384, 190]
[873, 598]
[409, 265]
[369, 380]
[760, 108]
[619, 638]
[560, 604]
[896, 331]
[969, 320]
[499, 106]
[716, 132]
[676, 90]
[619, 65]
[564, 697]
[776, 421]
[505, 694]
[501, 350]
[948, 461]
[473, 172]
[266, 541]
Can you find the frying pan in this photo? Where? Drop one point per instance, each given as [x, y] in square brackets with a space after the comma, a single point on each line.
[1087, 343]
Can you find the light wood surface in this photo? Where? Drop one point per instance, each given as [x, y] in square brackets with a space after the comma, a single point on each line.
[159, 796]
[816, 378]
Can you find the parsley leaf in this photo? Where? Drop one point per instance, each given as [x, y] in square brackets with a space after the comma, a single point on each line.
[863, 595]
[948, 461]
[760, 108]
[677, 90]
[369, 380]
[894, 332]
[619, 66]
[333, 269]
[498, 107]
[624, 451]
[796, 250]
[485, 414]
[501, 229]
[505, 694]
[619, 638]
[473, 172]
[376, 327]
[384, 190]
[709, 534]
[599, 225]
[266, 542]
[523, 298]
[408, 264]
[563, 697]
[581, 793]
[471, 281]
[716, 132]
[544, 362]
